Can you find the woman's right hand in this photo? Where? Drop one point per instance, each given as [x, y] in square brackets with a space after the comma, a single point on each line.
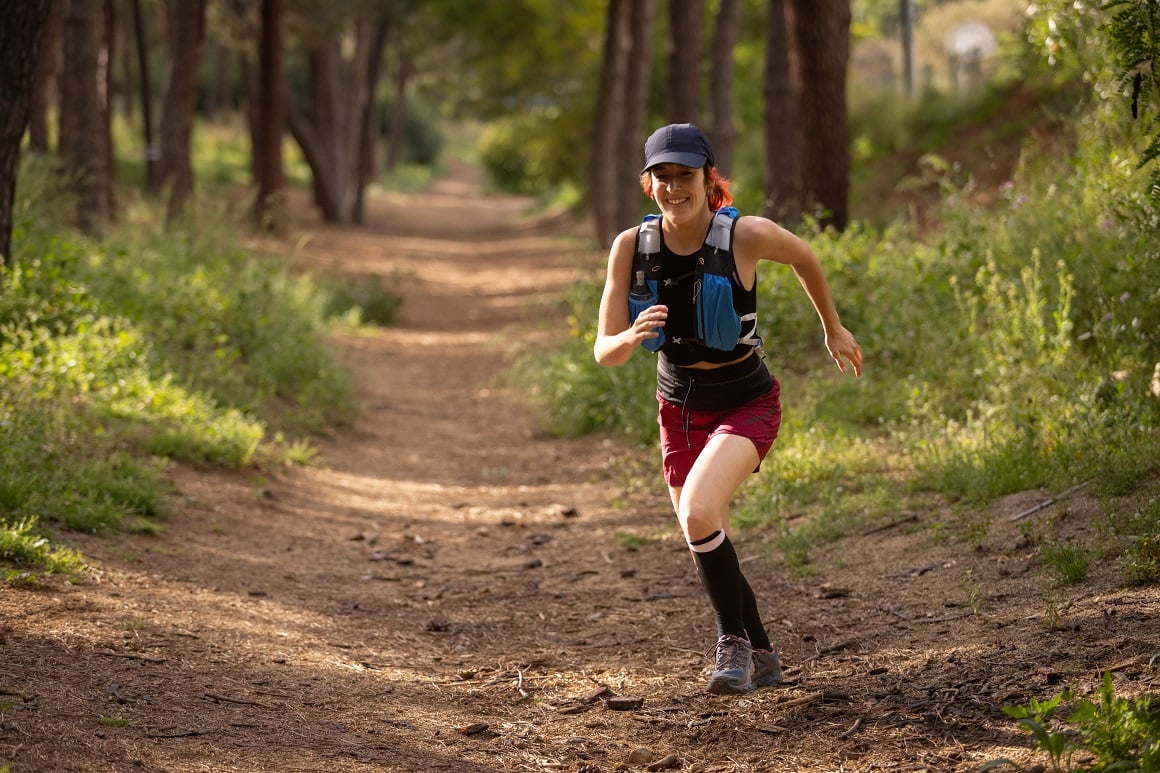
[647, 323]
[617, 336]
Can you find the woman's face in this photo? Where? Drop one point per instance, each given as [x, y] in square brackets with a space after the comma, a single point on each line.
[680, 191]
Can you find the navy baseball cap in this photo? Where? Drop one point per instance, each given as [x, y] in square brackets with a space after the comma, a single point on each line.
[677, 143]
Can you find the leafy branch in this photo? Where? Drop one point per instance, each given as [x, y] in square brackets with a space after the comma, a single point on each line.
[1133, 34]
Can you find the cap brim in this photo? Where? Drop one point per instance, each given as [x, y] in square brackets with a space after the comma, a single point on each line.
[694, 160]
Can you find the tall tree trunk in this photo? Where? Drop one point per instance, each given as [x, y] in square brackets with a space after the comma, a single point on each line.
[397, 130]
[269, 120]
[720, 129]
[145, 94]
[106, 62]
[781, 175]
[823, 41]
[175, 166]
[633, 116]
[84, 125]
[684, 66]
[127, 64]
[366, 167]
[47, 65]
[315, 133]
[611, 101]
[20, 39]
[330, 125]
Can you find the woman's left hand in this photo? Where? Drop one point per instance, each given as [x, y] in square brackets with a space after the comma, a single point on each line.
[843, 348]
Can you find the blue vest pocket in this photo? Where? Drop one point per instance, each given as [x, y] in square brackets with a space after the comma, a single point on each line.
[637, 303]
[718, 324]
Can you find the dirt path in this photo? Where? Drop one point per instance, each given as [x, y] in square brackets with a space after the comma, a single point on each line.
[446, 590]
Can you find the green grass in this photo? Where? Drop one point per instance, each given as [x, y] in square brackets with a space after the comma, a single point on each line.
[153, 344]
[22, 545]
[1010, 349]
[631, 541]
[1069, 562]
[1140, 530]
[366, 300]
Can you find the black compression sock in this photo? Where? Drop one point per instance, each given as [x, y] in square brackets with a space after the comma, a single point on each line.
[753, 625]
[720, 574]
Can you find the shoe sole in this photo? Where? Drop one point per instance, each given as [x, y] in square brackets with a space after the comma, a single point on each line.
[730, 687]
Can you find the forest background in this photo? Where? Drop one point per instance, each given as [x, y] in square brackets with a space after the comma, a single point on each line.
[1012, 325]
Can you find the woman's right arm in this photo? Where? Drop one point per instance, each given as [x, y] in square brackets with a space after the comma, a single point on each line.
[615, 338]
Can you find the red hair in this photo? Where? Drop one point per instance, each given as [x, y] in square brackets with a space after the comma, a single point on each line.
[716, 187]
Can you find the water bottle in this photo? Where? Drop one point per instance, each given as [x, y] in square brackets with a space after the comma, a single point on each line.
[649, 239]
[639, 291]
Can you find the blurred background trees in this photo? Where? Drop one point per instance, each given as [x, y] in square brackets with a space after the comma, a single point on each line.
[567, 92]
[561, 95]
[20, 37]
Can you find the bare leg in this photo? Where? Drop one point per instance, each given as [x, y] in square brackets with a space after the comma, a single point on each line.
[702, 504]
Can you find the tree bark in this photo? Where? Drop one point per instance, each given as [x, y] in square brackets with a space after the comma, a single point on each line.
[684, 73]
[251, 91]
[175, 166]
[47, 66]
[127, 64]
[269, 120]
[145, 94]
[632, 133]
[317, 135]
[84, 144]
[20, 39]
[106, 63]
[367, 164]
[328, 127]
[397, 130]
[823, 42]
[781, 175]
[611, 101]
[720, 129]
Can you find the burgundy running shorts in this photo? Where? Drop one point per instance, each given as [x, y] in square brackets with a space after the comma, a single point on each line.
[684, 432]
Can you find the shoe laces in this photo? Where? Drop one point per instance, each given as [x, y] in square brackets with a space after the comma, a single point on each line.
[730, 653]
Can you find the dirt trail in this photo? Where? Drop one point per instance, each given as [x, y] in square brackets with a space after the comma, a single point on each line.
[446, 590]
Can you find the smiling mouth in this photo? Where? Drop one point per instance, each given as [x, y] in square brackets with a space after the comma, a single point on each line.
[675, 202]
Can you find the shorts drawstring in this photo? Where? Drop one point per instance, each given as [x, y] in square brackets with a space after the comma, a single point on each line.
[685, 412]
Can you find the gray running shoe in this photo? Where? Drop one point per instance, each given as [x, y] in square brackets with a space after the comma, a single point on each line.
[733, 666]
[766, 668]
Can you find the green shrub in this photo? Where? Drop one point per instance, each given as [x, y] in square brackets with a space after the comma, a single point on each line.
[21, 544]
[148, 346]
[236, 326]
[574, 395]
[369, 300]
[1121, 734]
[520, 152]
[1010, 349]
[1141, 559]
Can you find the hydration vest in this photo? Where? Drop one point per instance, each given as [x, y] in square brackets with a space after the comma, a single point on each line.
[719, 326]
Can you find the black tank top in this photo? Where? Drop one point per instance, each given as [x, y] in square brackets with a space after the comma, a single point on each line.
[681, 347]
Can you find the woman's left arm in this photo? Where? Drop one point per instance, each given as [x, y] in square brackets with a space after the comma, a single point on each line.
[758, 238]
